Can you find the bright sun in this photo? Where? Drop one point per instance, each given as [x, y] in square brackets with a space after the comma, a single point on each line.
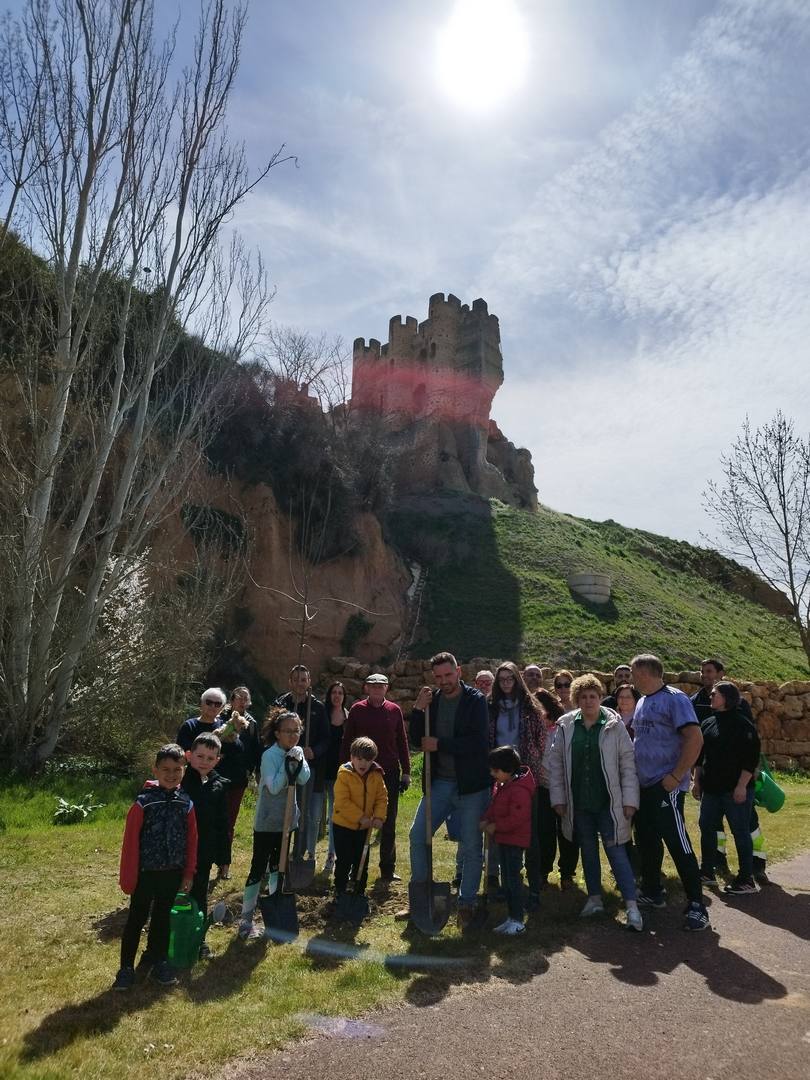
[482, 53]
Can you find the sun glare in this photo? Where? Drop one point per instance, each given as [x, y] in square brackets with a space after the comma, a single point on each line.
[482, 53]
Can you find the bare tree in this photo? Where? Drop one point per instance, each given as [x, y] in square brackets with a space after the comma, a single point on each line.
[762, 507]
[122, 182]
[310, 362]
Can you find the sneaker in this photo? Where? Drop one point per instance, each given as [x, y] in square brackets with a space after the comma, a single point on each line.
[125, 979]
[654, 900]
[245, 930]
[633, 919]
[501, 927]
[707, 877]
[761, 878]
[740, 887]
[164, 974]
[697, 917]
[513, 928]
[593, 906]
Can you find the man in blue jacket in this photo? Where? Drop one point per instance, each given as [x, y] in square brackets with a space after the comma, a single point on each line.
[461, 783]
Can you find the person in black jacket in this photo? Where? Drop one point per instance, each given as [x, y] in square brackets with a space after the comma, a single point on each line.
[208, 792]
[461, 783]
[724, 783]
[238, 732]
[315, 739]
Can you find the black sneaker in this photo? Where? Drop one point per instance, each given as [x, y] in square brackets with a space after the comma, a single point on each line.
[697, 917]
[125, 979]
[707, 877]
[164, 974]
[652, 900]
[761, 878]
[740, 887]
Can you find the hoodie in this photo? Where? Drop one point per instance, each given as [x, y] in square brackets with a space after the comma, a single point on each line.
[511, 809]
[160, 834]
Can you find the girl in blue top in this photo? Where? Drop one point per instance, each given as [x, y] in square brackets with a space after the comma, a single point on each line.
[281, 732]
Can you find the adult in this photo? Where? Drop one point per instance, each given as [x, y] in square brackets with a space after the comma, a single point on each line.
[382, 721]
[713, 671]
[595, 792]
[533, 678]
[552, 838]
[562, 688]
[335, 702]
[484, 682]
[516, 719]
[212, 702]
[241, 753]
[460, 775]
[668, 743]
[625, 698]
[724, 783]
[315, 742]
[621, 677]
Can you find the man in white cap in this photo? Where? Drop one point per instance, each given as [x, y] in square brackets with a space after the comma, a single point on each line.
[381, 720]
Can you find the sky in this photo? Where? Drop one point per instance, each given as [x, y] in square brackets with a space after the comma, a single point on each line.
[626, 184]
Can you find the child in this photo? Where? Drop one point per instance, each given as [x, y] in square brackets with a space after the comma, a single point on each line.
[158, 860]
[209, 793]
[280, 734]
[508, 820]
[361, 803]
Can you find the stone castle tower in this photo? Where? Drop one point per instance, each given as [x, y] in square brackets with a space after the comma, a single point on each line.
[432, 384]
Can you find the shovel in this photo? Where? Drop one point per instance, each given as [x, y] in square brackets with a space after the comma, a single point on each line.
[353, 906]
[301, 872]
[278, 907]
[429, 901]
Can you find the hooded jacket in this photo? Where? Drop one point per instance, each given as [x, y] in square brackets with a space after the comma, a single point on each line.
[618, 768]
[160, 834]
[359, 796]
[511, 809]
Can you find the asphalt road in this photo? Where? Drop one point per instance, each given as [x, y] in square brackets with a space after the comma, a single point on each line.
[732, 1003]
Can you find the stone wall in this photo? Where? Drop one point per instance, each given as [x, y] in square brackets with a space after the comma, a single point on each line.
[782, 712]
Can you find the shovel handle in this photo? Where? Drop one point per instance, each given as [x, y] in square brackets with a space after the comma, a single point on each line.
[426, 772]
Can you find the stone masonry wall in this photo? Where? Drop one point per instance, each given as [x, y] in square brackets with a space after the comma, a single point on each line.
[782, 712]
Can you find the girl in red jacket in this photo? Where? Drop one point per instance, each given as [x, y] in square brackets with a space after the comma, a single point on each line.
[508, 821]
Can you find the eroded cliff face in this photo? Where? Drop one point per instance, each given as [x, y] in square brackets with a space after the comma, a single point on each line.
[373, 581]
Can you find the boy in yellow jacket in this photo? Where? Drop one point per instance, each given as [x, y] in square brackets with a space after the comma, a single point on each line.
[361, 803]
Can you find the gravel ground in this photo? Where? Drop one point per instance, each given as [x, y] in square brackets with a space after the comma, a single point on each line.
[732, 1002]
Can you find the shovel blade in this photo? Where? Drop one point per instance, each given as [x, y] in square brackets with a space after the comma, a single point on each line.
[280, 916]
[300, 874]
[351, 907]
[429, 905]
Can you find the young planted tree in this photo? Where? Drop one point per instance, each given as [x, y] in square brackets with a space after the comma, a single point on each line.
[762, 507]
[119, 340]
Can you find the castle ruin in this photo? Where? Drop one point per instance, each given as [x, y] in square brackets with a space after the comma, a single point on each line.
[432, 386]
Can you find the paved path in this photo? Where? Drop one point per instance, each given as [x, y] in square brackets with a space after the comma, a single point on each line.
[730, 1004]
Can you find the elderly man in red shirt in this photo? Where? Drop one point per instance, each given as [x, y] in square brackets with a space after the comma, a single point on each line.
[381, 720]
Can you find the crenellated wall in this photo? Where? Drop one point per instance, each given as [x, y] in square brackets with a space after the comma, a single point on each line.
[782, 712]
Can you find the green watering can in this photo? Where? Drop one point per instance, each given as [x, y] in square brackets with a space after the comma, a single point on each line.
[187, 931]
[767, 792]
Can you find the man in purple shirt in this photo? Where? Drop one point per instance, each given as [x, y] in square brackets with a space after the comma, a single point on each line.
[382, 720]
[667, 744]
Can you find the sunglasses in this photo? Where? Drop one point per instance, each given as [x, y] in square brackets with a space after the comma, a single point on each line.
[562, 685]
[212, 701]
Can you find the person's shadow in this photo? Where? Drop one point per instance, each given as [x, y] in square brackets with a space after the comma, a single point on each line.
[97, 1015]
[775, 906]
[225, 973]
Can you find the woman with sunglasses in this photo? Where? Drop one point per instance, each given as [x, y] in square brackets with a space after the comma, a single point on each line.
[212, 703]
[562, 688]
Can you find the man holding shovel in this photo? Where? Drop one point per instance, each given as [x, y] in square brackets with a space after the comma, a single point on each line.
[380, 720]
[460, 782]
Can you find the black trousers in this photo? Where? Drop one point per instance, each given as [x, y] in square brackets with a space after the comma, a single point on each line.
[660, 821]
[511, 862]
[266, 854]
[349, 844]
[199, 886]
[388, 833]
[548, 826]
[155, 893]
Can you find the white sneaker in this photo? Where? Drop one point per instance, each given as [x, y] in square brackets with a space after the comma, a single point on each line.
[593, 906]
[502, 928]
[513, 927]
[633, 919]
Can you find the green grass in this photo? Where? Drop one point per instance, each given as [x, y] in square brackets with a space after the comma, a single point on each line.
[63, 913]
[497, 587]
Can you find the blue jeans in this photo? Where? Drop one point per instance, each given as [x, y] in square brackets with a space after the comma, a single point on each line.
[511, 862]
[467, 811]
[589, 825]
[713, 808]
[311, 803]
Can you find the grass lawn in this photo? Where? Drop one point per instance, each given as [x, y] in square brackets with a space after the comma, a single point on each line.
[63, 913]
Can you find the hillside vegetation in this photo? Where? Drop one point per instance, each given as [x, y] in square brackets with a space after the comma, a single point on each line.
[497, 586]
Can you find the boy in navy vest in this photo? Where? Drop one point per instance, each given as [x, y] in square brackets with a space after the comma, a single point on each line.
[158, 860]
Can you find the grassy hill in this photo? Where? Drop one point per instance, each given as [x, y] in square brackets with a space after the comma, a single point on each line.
[497, 586]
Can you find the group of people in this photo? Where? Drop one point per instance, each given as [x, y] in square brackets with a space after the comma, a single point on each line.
[520, 775]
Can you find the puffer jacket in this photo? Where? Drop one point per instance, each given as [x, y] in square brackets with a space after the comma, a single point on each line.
[359, 796]
[618, 768]
[511, 809]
